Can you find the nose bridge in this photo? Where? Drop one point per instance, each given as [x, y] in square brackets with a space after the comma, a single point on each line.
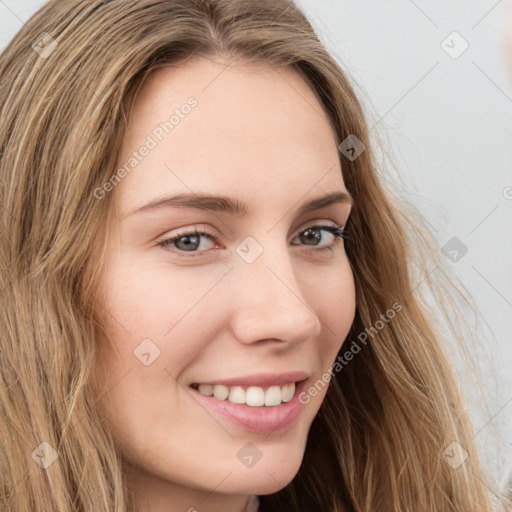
[270, 303]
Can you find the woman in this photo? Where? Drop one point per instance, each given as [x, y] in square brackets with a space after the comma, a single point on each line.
[144, 370]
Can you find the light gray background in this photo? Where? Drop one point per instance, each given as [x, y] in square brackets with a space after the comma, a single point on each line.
[449, 123]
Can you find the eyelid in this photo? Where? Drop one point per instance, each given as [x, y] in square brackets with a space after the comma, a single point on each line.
[317, 222]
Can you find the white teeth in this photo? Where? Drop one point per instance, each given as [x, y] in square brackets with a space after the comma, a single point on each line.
[254, 396]
[287, 392]
[273, 395]
[220, 392]
[206, 389]
[237, 395]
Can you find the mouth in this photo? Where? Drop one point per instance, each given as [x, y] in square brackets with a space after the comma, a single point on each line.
[260, 403]
[253, 396]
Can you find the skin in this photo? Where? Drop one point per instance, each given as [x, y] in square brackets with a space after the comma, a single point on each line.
[261, 136]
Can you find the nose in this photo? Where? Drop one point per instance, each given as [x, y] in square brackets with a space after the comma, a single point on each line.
[268, 301]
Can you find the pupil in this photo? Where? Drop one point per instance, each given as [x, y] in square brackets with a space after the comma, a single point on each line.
[189, 245]
[316, 235]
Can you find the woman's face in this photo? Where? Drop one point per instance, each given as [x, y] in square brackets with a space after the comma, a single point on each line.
[250, 309]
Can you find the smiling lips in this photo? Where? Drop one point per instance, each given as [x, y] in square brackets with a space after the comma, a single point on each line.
[255, 396]
[258, 403]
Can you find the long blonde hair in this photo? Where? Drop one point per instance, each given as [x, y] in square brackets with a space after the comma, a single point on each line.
[378, 440]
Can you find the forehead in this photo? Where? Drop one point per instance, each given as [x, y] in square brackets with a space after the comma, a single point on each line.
[252, 129]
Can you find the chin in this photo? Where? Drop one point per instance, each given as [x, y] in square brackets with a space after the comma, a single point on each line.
[266, 476]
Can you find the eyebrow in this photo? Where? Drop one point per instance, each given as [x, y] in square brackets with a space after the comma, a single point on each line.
[225, 204]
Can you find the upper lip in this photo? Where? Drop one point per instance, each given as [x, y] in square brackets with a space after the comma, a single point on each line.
[260, 379]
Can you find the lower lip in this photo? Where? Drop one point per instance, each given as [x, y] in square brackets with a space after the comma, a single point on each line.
[263, 419]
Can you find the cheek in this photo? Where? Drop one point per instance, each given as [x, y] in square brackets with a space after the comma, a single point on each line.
[155, 299]
[333, 298]
[158, 321]
[335, 304]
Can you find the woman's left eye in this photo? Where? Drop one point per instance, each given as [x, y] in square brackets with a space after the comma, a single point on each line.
[189, 241]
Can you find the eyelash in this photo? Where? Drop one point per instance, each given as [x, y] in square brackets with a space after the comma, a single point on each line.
[335, 230]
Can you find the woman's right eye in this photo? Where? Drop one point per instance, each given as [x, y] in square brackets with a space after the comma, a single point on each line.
[189, 241]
